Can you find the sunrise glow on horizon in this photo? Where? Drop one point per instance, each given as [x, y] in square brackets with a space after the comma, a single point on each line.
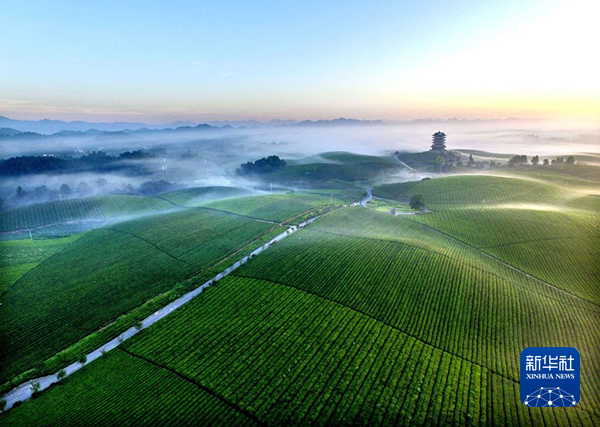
[309, 60]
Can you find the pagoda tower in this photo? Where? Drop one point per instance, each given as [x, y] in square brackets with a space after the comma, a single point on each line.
[439, 142]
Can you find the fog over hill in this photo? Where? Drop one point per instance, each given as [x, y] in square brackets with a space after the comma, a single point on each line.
[210, 154]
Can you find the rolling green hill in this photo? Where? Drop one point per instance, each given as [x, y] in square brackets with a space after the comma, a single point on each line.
[522, 219]
[365, 318]
[17, 257]
[199, 196]
[137, 396]
[333, 170]
[114, 206]
[275, 207]
[108, 272]
[114, 269]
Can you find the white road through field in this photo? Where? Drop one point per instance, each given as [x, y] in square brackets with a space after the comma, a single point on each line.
[366, 200]
[404, 164]
[23, 392]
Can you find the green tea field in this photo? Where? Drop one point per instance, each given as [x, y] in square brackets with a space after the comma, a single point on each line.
[362, 318]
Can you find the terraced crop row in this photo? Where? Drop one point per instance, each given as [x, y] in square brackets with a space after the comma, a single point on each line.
[489, 190]
[126, 391]
[291, 357]
[17, 257]
[108, 272]
[194, 236]
[276, 207]
[199, 196]
[41, 214]
[473, 307]
[286, 356]
[525, 221]
[77, 291]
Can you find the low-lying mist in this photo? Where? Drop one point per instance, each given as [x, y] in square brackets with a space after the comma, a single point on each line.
[192, 157]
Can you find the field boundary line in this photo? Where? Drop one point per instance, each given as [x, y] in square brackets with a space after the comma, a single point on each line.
[466, 264]
[216, 238]
[197, 384]
[23, 391]
[73, 221]
[540, 240]
[219, 210]
[359, 311]
[148, 242]
[47, 259]
[507, 264]
[416, 338]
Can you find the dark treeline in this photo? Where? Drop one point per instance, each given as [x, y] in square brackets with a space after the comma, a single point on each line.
[42, 193]
[261, 166]
[535, 160]
[96, 161]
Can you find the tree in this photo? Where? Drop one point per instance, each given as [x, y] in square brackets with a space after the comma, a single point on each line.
[439, 161]
[20, 192]
[139, 325]
[65, 191]
[535, 160]
[82, 359]
[101, 182]
[471, 161]
[60, 375]
[63, 358]
[546, 162]
[2, 405]
[83, 189]
[417, 202]
[518, 160]
[40, 369]
[35, 387]
[264, 165]
[570, 160]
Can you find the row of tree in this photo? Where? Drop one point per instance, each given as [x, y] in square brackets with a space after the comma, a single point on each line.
[94, 161]
[535, 160]
[261, 166]
[42, 193]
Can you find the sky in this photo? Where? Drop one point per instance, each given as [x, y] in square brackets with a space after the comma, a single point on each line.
[157, 61]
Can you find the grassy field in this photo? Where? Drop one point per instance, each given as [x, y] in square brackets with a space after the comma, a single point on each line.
[286, 355]
[193, 197]
[107, 272]
[333, 170]
[128, 391]
[114, 269]
[114, 206]
[365, 318]
[17, 257]
[386, 205]
[524, 219]
[275, 207]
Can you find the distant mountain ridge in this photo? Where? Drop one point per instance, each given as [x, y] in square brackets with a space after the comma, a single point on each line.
[12, 127]
[48, 127]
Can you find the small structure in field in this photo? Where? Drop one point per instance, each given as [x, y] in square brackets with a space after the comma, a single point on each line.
[393, 211]
[439, 142]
